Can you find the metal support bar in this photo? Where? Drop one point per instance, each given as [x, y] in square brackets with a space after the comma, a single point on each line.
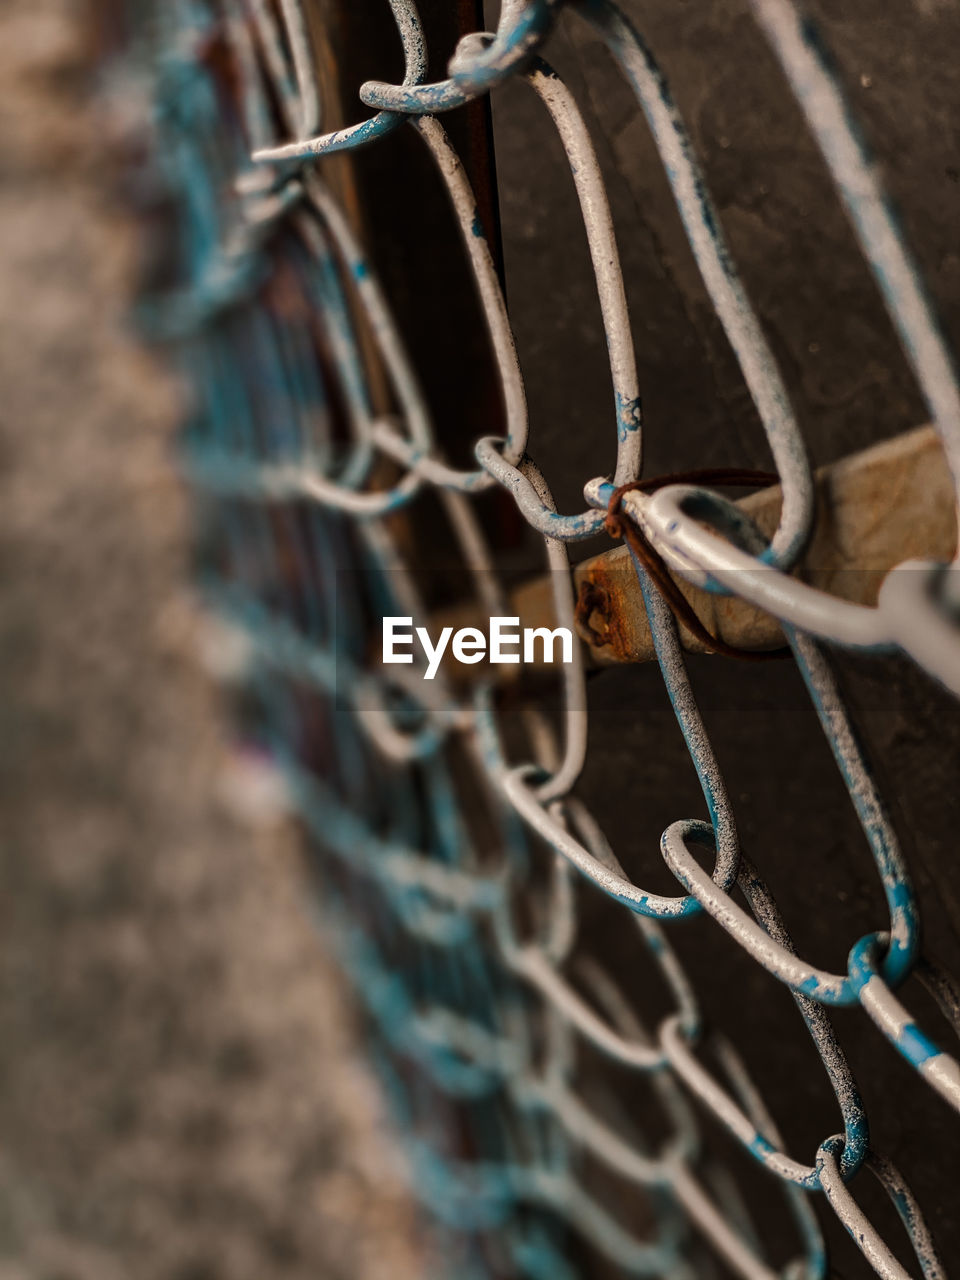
[889, 503]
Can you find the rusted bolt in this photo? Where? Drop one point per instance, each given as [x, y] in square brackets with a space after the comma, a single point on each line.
[592, 599]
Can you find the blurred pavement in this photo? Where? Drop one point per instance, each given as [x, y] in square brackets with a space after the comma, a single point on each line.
[182, 1096]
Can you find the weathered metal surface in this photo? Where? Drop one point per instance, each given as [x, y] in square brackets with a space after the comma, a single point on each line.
[879, 507]
[884, 505]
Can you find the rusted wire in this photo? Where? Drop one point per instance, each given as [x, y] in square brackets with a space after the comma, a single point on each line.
[618, 525]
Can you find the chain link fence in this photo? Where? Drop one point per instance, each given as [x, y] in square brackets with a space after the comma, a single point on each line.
[460, 859]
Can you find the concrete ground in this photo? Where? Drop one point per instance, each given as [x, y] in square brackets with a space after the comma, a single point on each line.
[182, 1094]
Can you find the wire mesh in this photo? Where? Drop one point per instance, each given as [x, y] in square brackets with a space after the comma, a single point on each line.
[310, 443]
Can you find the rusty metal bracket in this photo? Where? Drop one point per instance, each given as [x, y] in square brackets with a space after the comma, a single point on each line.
[889, 503]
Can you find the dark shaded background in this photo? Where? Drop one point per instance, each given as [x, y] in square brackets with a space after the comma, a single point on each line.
[851, 387]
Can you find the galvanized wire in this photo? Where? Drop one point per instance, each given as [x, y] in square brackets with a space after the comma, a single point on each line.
[468, 1004]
